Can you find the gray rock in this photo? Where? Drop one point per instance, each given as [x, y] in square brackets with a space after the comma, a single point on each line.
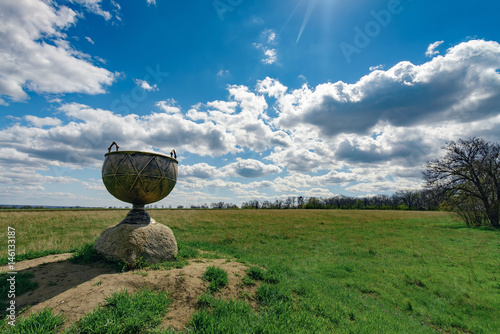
[131, 243]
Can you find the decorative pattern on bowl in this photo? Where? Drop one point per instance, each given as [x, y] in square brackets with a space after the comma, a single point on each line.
[137, 177]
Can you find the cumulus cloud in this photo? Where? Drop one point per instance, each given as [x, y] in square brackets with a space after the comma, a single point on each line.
[82, 141]
[372, 136]
[378, 67]
[30, 177]
[228, 107]
[200, 170]
[243, 118]
[464, 81]
[169, 106]
[270, 56]
[36, 56]
[145, 85]
[431, 50]
[38, 195]
[387, 186]
[270, 53]
[42, 121]
[271, 87]
[250, 168]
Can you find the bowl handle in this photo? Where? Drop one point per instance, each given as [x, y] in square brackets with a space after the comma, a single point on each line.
[110, 146]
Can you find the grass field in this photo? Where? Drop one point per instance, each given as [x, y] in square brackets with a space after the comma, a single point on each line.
[332, 271]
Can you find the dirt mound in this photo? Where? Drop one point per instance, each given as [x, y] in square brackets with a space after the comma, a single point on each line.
[74, 289]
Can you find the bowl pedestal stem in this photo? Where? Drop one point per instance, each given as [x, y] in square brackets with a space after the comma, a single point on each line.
[137, 216]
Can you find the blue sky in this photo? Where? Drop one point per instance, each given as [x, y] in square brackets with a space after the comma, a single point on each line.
[260, 99]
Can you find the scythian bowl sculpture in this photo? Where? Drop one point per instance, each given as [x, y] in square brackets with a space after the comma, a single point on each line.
[139, 178]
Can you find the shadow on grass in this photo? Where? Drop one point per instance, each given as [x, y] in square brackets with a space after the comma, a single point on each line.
[461, 226]
[48, 280]
[57, 277]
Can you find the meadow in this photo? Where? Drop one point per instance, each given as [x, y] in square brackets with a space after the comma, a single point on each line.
[326, 271]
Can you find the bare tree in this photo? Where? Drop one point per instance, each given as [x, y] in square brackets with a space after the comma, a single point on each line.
[411, 198]
[470, 175]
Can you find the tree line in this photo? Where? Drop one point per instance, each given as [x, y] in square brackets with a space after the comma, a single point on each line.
[466, 180]
[425, 199]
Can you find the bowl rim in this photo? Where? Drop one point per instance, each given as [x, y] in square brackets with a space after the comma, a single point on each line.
[141, 152]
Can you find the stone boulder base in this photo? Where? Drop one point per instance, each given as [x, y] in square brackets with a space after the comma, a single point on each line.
[131, 243]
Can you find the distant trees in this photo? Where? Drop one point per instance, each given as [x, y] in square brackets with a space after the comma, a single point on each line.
[403, 200]
[202, 206]
[222, 205]
[469, 177]
[411, 198]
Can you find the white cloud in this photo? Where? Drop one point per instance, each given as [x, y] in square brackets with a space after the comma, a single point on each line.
[94, 185]
[38, 195]
[151, 2]
[378, 67]
[369, 137]
[403, 95]
[250, 168]
[82, 142]
[249, 102]
[93, 6]
[200, 170]
[271, 37]
[169, 106]
[36, 56]
[378, 187]
[145, 85]
[297, 182]
[224, 106]
[271, 87]
[431, 50]
[89, 40]
[195, 115]
[222, 73]
[42, 121]
[270, 55]
[318, 193]
[268, 37]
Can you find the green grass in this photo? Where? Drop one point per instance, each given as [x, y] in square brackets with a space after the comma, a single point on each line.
[248, 281]
[43, 322]
[86, 254]
[255, 273]
[29, 255]
[217, 278]
[326, 270]
[125, 314]
[225, 317]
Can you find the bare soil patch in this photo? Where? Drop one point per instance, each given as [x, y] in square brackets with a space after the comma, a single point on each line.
[74, 289]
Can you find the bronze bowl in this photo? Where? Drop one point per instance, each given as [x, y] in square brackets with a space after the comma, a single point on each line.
[137, 177]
